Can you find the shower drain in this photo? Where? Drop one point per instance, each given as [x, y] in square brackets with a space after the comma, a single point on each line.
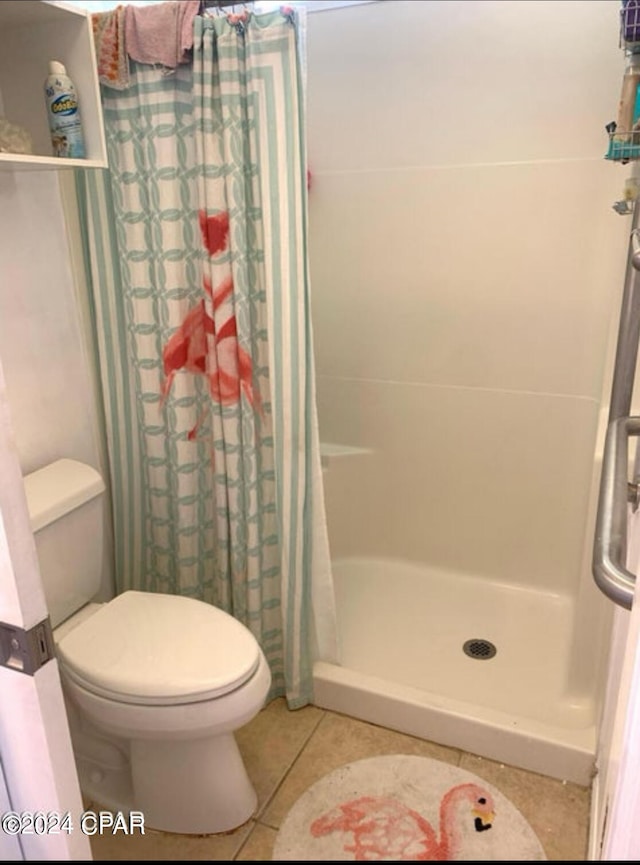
[481, 650]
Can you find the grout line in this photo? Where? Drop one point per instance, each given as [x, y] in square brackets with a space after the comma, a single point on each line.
[244, 843]
[269, 799]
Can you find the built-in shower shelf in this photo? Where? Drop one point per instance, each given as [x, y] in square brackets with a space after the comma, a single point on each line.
[33, 32]
[330, 451]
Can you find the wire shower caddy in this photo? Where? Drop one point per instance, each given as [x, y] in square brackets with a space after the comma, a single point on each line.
[624, 144]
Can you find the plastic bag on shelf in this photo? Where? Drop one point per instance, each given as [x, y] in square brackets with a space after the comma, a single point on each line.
[14, 139]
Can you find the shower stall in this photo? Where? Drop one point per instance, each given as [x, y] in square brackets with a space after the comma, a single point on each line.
[466, 268]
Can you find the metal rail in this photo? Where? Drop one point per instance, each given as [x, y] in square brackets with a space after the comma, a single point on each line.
[610, 543]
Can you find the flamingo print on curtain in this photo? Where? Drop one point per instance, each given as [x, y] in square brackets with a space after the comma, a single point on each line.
[195, 247]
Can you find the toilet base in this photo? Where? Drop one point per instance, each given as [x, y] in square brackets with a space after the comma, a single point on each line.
[198, 786]
[177, 764]
[205, 801]
[108, 788]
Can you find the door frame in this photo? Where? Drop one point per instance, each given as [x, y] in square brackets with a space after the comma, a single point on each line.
[614, 830]
[36, 755]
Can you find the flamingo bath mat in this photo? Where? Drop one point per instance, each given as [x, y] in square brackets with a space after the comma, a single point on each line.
[401, 807]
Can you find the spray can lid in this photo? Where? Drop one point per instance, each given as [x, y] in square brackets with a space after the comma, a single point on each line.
[56, 68]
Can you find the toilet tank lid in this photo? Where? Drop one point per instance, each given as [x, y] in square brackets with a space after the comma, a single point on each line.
[57, 489]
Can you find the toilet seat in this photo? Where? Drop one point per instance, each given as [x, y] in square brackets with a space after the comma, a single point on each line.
[158, 649]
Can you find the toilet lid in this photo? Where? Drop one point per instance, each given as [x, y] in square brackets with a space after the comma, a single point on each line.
[150, 648]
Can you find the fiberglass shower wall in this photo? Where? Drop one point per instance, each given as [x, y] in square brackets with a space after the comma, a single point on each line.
[466, 265]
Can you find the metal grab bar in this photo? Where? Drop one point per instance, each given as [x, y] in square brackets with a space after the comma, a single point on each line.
[610, 543]
[624, 368]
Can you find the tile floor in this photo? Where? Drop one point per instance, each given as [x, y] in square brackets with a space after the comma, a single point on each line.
[286, 752]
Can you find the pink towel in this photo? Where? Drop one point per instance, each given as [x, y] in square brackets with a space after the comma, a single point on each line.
[161, 33]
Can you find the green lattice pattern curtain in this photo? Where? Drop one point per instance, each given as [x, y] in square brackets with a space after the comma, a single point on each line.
[196, 248]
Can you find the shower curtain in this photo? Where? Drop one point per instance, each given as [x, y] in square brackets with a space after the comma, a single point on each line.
[195, 249]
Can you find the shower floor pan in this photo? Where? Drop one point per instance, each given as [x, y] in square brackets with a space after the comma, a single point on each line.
[402, 631]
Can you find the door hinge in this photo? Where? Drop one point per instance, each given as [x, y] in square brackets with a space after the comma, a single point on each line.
[26, 651]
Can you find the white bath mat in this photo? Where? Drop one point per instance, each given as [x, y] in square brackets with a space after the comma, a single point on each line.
[400, 807]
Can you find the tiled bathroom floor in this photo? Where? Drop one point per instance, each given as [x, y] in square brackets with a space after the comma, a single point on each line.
[286, 752]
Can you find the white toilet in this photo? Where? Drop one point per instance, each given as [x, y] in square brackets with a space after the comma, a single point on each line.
[154, 684]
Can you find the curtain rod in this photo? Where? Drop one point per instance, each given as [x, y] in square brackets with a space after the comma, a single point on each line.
[220, 4]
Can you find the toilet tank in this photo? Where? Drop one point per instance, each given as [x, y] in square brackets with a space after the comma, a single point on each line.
[65, 502]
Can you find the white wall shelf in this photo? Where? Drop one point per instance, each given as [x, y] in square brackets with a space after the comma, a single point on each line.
[329, 452]
[33, 32]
